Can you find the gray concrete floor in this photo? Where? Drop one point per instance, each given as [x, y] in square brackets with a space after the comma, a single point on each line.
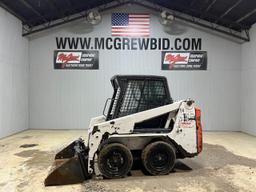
[227, 163]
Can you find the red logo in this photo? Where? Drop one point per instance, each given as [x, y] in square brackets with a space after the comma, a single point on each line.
[176, 58]
[65, 58]
[173, 59]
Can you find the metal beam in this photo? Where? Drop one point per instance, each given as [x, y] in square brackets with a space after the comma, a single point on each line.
[210, 5]
[209, 15]
[73, 10]
[228, 10]
[152, 6]
[198, 22]
[246, 16]
[26, 4]
[205, 12]
[75, 17]
[62, 14]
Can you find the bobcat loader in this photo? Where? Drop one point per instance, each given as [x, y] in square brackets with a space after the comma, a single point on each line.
[142, 122]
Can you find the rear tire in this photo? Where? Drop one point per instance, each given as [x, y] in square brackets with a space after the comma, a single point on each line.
[158, 158]
[115, 160]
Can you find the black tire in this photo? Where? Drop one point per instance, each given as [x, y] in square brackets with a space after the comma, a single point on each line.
[115, 160]
[158, 158]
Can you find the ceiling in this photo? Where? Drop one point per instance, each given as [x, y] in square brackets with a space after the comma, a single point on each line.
[237, 15]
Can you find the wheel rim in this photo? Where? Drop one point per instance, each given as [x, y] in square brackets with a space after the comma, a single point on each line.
[114, 161]
[159, 160]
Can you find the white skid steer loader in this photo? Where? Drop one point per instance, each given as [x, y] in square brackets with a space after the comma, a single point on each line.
[142, 122]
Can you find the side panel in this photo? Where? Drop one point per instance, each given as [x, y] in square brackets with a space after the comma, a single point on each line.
[133, 143]
[184, 131]
[96, 120]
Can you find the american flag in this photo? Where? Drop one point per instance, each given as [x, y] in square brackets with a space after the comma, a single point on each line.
[130, 25]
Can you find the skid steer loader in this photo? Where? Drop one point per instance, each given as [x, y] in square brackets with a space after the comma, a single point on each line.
[142, 122]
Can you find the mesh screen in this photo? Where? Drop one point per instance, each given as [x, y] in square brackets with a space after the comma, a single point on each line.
[140, 95]
[133, 94]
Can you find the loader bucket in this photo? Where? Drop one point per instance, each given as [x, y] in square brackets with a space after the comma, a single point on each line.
[69, 151]
[70, 166]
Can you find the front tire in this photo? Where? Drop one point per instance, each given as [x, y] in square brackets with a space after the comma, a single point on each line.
[115, 160]
[158, 158]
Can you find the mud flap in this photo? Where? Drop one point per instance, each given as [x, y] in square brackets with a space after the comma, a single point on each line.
[70, 165]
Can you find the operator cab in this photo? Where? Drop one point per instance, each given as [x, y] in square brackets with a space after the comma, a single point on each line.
[133, 94]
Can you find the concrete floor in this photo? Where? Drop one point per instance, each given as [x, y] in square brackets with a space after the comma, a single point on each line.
[228, 163]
